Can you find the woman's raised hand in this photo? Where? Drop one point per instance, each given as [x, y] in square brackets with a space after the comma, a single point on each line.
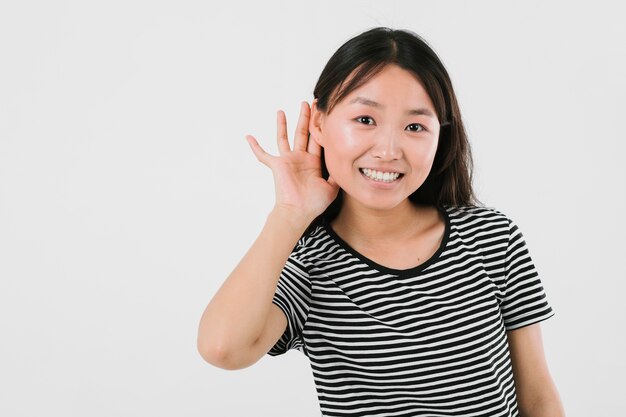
[300, 187]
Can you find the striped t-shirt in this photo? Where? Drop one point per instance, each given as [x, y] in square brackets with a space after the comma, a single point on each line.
[425, 341]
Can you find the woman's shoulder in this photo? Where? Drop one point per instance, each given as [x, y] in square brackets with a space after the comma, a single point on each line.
[310, 239]
[473, 214]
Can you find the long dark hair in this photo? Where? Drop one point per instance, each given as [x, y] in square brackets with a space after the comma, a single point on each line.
[450, 179]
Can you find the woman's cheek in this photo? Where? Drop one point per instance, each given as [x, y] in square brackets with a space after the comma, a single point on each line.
[352, 136]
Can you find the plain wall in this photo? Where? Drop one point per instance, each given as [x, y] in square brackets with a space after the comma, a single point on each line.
[128, 192]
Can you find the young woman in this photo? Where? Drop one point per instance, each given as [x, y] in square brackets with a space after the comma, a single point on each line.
[377, 263]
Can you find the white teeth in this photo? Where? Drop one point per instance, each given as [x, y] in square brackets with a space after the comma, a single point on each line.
[380, 176]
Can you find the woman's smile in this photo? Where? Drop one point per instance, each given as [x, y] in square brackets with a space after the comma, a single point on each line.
[380, 179]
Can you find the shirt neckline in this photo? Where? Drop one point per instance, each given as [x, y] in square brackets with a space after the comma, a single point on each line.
[400, 272]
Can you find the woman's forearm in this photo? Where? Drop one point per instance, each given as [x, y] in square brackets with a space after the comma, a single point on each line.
[547, 406]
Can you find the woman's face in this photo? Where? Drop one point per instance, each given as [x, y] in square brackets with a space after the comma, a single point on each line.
[388, 125]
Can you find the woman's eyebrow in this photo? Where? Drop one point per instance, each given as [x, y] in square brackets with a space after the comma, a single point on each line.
[372, 103]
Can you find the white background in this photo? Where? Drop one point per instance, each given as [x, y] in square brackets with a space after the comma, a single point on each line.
[128, 192]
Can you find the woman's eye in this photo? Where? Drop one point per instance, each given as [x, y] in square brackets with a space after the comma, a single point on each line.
[421, 128]
[360, 118]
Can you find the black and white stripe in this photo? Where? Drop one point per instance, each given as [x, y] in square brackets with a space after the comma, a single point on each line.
[426, 341]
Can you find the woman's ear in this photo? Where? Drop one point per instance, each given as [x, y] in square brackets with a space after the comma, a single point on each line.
[315, 124]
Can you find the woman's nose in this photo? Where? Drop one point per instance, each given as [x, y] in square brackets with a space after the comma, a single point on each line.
[387, 147]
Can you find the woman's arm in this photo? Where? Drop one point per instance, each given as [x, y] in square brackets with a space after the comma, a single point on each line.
[537, 395]
[237, 315]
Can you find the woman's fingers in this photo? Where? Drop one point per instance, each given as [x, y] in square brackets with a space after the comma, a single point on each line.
[283, 142]
[302, 142]
[302, 130]
[260, 154]
[313, 147]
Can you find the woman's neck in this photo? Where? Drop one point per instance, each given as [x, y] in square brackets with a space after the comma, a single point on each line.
[374, 227]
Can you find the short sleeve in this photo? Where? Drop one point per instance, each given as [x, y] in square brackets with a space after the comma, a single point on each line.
[524, 301]
[293, 296]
